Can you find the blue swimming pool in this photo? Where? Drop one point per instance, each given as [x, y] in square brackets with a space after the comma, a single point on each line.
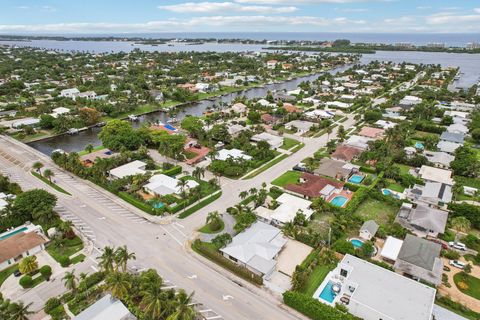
[327, 293]
[357, 243]
[356, 178]
[8, 235]
[158, 205]
[419, 145]
[339, 201]
[386, 192]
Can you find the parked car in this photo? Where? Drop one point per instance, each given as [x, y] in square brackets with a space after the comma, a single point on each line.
[17, 273]
[457, 264]
[457, 245]
[440, 242]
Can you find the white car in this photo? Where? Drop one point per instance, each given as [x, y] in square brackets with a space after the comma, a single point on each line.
[457, 264]
[457, 245]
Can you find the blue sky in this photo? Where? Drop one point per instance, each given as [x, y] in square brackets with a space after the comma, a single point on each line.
[136, 16]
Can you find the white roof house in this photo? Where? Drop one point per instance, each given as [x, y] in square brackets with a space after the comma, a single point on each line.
[410, 101]
[287, 210]
[391, 248]
[234, 154]
[448, 146]
[106, 308]
[374, 293]
[385, 124]
[319, 114]
[338, 104]
[25, 122]
[458, 128]
[274, 141]
[358, 142]
[256, 248]
[69, 93]
[301, 125]
[162, 185]
[439, 159]
[58, 111]
[130, 169]
[432, 174]
[239, 108]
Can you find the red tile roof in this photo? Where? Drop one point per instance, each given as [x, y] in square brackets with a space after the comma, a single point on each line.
[313, 185]
[346, 153]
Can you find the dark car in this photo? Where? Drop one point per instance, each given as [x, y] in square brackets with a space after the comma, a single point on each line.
[440, 242]
[17, 273]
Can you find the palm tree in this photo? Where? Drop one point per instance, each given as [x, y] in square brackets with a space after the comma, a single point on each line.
[153, 300]
[214, 220]
[48, 174]
[253, 191]
[118, 284]
[198, 173]
[329, 131]
[107, 259]
[122, 256]
[243, 195]
[28, 264]
[19, 311]
[38, 166]
[70, 281]
[460, 224]
[184, 308]
[89, 148]
[65, 227]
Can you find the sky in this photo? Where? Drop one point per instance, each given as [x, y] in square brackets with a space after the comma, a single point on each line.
[149, 16]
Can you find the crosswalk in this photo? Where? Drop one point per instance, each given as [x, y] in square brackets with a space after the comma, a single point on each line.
[79, 224]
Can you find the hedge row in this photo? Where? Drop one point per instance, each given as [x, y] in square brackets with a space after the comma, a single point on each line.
[215, 256]
[313, 308]
[200, 205]
[173, 171]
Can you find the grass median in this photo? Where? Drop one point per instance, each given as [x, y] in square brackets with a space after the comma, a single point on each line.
[50, 183]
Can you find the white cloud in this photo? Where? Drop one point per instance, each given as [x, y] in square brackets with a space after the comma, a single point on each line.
[351, 10]
[423, 7]
[477, 10]
[222, 7]
[278, 2]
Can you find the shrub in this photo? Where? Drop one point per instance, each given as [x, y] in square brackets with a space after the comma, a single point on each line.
[173, 171]
[344, 246]
[90, 281]
[51, 304]
[46, 272]
[64, 261]
[450, 254]
[26, 281]
[313, 308]
[472, 242]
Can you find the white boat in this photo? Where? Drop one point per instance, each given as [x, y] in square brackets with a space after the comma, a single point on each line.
[72, 131]
[132, 117]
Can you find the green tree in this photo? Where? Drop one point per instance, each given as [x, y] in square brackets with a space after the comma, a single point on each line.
[19, 311]
[37, 166]
[460, 224]
[122, 256]
[184, 309]
[28, 265]
[214, 220]
[70, 280]
[107, 260]
[118, 135]
[48, 174]
[89, 148]
[118, 284]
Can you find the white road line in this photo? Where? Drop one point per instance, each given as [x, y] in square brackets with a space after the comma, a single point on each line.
[171, 235]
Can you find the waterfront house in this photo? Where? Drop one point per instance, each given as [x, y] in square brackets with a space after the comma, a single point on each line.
[256, 248]
[89, 159]
[420, 259]
[371, 292]
[59, 111]
[106, 308]
[130, 169]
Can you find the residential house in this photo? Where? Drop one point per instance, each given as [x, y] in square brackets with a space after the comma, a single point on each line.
[452, 137]
[409, 102]
[335, 169]
[157, 95]
[371, 292]
[432, 174]
[433, 193]
[346, 153]
[288, 207]
[25, 122]
[391, 249]
[106, 308]
[358, 142]
[59, 111]
[312, 186]
[130, 169]
[338, 104]
[420, 259]
[23, 241]
[269, 119]
[256, 248]
[89, 159]
[448, 147]
[458, 128]
[161, 185]
[372, 133]
[69, 93]
[274, 141]
[300, 125]
[368, 230]
[233, 154]
[422, 219]
[439, 159]
[319, 114]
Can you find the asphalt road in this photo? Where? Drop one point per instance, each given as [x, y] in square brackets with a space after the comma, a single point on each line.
[164, 244]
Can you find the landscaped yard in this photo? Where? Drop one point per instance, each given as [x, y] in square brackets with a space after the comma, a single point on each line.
[287, 178]
[467, 284]
[208, 228]
[403, 168]
[315, 279]
[4, 274]
[84, 152]
[66, 248]
[395, 187]
[289, 143]
[381, 212]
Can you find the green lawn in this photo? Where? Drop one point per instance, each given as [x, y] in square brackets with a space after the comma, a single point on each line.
[84, 152]
[78, 258]
[473, 284]
[4, 274]
[381, 212]
[67, 248]
[208, 228]
[395, 187]
[315, 279]
[287, 178]
[403, 168]
[289, 143]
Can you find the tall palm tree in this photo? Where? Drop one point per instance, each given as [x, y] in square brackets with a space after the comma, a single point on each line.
[19, 311]
[38, 166]
[47, 173]
[28, 264]
[122, 256]
[214, 220]
[153, 300]
[70, 281]
[243, 195]
[107, 259]
[460, 224]
[198, 173]
[184, 308]
[118, 284]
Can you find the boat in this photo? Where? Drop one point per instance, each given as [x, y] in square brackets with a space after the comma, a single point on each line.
[72, 131]
[132, 117]
[172, 120]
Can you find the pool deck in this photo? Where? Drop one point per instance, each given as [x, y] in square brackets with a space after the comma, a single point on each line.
[345, 193]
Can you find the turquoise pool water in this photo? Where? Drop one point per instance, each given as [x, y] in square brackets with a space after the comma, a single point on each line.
[8, 235]
[327, 293]
[419, 145]
[386, 192]
[356, 178]
[357, 243]
[339, 201]
[158, 205]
